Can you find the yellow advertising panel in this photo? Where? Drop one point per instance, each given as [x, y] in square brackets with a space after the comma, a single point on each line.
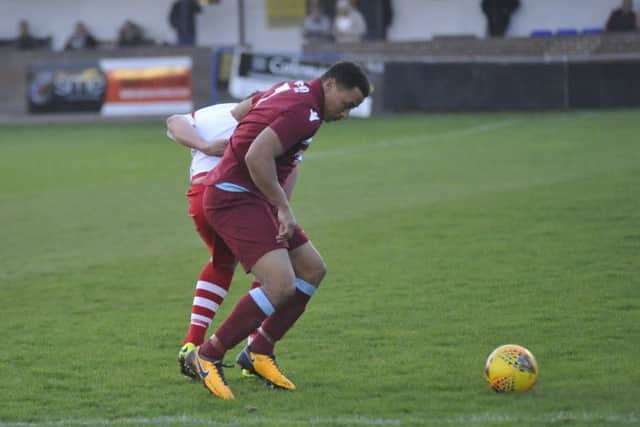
[286, 13]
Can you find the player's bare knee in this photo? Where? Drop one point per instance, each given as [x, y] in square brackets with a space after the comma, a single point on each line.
[279, 292]
[278, 284]
[313, 273]
[318, 273]
[288, 291]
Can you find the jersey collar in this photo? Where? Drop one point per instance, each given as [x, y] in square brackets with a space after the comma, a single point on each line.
[318, 95]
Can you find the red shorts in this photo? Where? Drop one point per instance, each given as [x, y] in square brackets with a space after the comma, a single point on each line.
[220, 254]
[247, 224]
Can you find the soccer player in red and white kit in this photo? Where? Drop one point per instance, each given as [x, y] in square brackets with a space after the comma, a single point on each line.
[245, 203]
[207, 132]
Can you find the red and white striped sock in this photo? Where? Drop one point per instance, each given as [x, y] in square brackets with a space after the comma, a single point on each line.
[211, 289]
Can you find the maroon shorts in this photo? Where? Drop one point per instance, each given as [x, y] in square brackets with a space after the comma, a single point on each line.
[247, 224]
[220, 253]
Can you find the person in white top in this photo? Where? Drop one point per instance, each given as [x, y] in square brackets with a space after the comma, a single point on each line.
[349, 25]
[206, 132]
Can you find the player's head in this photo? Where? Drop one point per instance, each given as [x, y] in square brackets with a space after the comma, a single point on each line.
[345, 86]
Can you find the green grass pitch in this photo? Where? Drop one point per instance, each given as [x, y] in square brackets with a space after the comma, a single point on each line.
[445, 236]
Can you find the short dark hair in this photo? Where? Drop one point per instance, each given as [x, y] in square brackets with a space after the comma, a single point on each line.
[349, 75]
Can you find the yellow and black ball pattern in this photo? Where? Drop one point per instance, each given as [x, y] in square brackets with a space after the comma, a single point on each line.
[511, 368]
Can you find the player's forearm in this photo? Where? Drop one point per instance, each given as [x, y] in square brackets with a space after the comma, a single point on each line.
[241, 109]
[290, 183]
[264, 176]
[214, 148]
[184, 133]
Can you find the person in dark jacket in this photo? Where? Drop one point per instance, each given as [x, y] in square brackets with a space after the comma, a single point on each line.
[622, 18]
[130, 34]
[25, 40]
[182, 18]
[81, 38]
[498, 13]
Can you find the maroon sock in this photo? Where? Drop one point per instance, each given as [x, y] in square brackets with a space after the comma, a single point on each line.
[277, 325]
[252, 335]
[245, 318]
[212, 350]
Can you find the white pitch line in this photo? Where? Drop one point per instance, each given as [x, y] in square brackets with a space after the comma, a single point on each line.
[415, 139]
[469, 420]
[418, 139]
[546, 419]
[190, 421]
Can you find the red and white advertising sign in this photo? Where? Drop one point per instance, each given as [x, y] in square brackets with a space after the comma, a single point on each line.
[137, 86]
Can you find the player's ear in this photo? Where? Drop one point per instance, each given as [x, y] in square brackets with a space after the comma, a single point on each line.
[330, 83]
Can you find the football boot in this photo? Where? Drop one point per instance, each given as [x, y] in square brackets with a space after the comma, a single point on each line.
[211, 374]
[185, 368]
[265, 367]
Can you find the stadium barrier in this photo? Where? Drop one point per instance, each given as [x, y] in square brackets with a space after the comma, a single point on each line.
[254, 71]
[513, 84]
[526, 73]
[16, 75]
[112, 87]
[446, 73]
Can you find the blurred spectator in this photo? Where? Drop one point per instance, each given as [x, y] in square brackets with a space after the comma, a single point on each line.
[622, 18]
[317, 24]
[81, 38]
[130, 34]
[378, 14]
[25, 40]
[349, 25]
[498, 13]
[182, 18]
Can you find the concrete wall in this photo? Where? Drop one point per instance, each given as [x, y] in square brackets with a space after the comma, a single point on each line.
[218, 24]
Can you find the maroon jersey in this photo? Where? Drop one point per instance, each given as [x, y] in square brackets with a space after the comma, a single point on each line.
[293, 110]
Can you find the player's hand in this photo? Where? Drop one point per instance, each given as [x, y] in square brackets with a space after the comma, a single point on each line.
[287, 223]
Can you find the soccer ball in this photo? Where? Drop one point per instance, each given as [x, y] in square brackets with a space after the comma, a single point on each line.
[511, 367]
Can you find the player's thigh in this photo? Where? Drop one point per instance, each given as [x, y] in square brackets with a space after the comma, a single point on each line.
[221, 255]
[308, 264]
[196, 212]
[276, 275]
[246, 223]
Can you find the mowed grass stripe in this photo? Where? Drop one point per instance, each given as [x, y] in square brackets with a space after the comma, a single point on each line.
[437, 253]
[471, 420]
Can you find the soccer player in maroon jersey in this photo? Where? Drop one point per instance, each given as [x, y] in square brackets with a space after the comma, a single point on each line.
[207, 132]
[247, 208]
